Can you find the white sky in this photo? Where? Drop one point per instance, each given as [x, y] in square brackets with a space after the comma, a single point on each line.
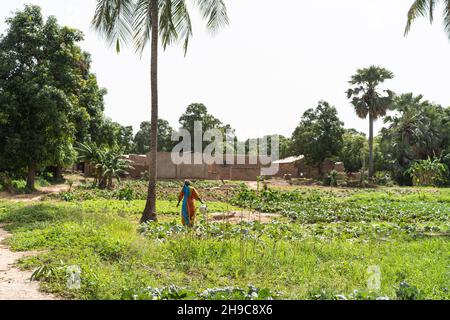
[271, 64]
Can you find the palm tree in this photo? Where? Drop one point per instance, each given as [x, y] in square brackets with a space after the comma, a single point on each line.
[423, 8]
[368, 101]
[144, 21]
[112, 165]
[90, 154]
[413, 126]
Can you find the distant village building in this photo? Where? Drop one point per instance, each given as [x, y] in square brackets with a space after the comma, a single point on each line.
[296, 167]
[240, 168]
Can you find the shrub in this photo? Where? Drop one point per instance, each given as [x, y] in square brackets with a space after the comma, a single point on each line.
[383, 178]
[19, 186]
[332, 179]
[406, 291]
[427, 172]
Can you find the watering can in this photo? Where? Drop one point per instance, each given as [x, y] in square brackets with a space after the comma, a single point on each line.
[203, 209]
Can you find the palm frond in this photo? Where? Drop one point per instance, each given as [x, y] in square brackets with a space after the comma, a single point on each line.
[114, 20]
[420, 8]
[142, 24]
[447, 17]
[214, 12]
[182, 22]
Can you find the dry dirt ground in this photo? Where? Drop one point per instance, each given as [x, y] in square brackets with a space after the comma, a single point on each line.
[15, 284]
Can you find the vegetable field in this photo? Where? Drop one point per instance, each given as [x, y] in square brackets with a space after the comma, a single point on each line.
[322, 245]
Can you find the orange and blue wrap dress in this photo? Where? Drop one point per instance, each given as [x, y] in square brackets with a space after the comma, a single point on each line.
[188, 195]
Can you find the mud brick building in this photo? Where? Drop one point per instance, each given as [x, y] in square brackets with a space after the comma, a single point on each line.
[235, 167]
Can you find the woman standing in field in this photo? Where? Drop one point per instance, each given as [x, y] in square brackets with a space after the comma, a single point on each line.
[188, 194]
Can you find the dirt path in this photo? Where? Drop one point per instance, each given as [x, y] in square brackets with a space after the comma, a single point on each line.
[35, 196]
[42, 191]
[14, 283]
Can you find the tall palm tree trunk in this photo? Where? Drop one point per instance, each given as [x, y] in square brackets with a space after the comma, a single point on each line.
[149, 213]
[371, 166]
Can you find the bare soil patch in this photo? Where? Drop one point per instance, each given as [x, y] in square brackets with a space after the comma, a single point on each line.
[15, 284]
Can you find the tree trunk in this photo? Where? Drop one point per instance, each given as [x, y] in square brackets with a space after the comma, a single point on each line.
[31, 177]
[371, 166]
[149, 213]
[319, 169]
[57, 173]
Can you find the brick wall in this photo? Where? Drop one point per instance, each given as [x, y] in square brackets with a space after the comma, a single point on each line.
[240, 169]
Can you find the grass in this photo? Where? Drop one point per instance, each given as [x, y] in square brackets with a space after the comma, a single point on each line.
[322, 250]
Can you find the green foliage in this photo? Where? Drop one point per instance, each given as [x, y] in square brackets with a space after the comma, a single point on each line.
[112, 135]
[405, 291]
[333, 178]
[143, 136]
[316, 207]
[173, 292]
[219, 261]
[132, 21]
[118, 263]
[365, 95]
[354, 150]
[18, 186]
[428, 172]
[48, 96]
[109, 164]
[43, 273]
[417, 132]
[426, 8]
[369, 101]
[197, 112]
[137, 190]
[319, 135]
[383, 178]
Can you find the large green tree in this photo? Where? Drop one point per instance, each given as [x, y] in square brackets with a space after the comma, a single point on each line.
[197, 112]
[144, 21]
[426, 8]
[115, 136]
[319, 135]
[354, 150]
[142, 137]
[39, 82]
[417, 131]
[264, 146]
[88, 118]
[369, 101]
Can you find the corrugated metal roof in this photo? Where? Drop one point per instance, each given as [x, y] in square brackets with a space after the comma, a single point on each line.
[290, 159]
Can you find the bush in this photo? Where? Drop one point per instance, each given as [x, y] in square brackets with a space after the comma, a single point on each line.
[332, 179]
[406, 291]
[19, 186]
[428, 172]
[383, 178]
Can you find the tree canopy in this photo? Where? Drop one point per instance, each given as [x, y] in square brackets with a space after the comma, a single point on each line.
[49, 99]
[369, 100]
[417, 131]
[142, 137]
[198, 112]
[319, 135]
